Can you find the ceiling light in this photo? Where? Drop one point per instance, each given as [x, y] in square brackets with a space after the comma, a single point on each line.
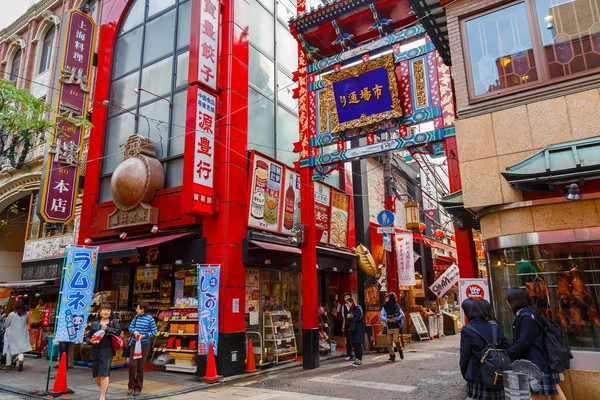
[154, 229]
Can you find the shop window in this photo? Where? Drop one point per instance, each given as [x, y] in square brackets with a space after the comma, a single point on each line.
[261, 124]
[121, 93]
[287, 135]
[118, 129]
[159, 39]
[177, 141]
[261, 72]
[287, 49]
[156, 6]
[157, 128]
[285, 87]
[15, 66]
[182, 69]
[183, 27]
[46, 50]
[262, 31]
[153, 80]
[531, 43]
[127, 53]
[134, 17]
[563, 281]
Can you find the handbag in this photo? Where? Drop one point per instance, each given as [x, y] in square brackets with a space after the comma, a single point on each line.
[117, 341]
[127, 348]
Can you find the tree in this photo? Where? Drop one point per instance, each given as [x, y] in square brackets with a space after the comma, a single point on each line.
[23, 119]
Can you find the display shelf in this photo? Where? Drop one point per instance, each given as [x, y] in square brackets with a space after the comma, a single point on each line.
[324, 331]
[183, 308]
[180, 320]
[278, 323]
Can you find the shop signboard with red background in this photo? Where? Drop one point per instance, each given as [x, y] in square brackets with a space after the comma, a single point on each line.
[322, 210]
[61, 173]
[476, 288]
[205, 43]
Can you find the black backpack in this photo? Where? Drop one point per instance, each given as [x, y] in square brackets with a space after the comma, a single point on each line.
[556, 344]
[494, 361]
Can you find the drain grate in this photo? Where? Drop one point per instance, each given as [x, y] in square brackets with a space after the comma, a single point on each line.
[8, 395]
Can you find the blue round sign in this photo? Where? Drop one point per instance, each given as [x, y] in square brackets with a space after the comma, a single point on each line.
[385, 218]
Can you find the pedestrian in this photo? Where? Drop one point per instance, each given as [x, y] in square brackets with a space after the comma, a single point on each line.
[393, 317]
[2, 320]
[142, 328]
[102, 351]
[482, 321]
[356, 326]
[16, 337]
[346, 327]
[528, 343]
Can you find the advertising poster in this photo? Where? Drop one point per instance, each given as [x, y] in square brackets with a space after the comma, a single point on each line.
[340, 206]
[445, 281]
[405, 258]
[265, 205]
[476, 288]
[78, 279]
[372, 304]
[291, 202]
[419, 288]
[252, 290]
[322, 209]
[208, 308]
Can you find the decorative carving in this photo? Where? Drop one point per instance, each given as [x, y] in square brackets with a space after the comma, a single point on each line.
[142, 215]
[47, 247]
[381, 24]
[420, 83]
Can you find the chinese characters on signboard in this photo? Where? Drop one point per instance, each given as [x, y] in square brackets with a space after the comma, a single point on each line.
[78, 279]
[405, 258]
[208, 308]
[205, 43]
[61, 173]
[322, 209]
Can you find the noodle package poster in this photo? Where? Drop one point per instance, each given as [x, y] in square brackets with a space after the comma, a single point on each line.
[78, 279]
[340, 205]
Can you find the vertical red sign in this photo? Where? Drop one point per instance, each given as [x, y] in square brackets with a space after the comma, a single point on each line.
[61, 173]
[204, 43]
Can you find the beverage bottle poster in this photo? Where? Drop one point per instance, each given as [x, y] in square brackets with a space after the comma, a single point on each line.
[291, 202]
[78, 279]
[265, 193]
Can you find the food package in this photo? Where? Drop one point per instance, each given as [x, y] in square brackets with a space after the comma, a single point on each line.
[366, 262]
[98, 335]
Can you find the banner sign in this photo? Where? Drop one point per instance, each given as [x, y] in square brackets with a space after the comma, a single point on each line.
[445, 281]
[265, 193]
[197, 197]
[362, 95]
[204, 43]
[405, 258]
[322, 209]
[78, 279]
[60, 182]
[208, 307]
[476, 288]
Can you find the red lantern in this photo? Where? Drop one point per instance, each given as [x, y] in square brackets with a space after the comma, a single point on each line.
[422, 226]
[453, 238]
[438, 233]
[477, 242]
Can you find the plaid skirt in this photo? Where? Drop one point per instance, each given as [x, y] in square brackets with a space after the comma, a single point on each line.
[549, 382]
[477, 391]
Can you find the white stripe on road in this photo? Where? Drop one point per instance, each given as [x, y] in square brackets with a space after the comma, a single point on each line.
[365, 384]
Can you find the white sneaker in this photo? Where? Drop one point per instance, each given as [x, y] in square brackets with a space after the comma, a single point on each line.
[348, 358]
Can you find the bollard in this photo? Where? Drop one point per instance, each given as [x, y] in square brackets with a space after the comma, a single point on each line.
[516, 386]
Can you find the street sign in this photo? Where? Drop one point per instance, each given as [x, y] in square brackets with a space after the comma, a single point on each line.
[385, 229]
[387, 242]
[386, 218]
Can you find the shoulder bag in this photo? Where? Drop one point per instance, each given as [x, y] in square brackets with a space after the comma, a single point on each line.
[118, 342]
[127, 348]
[494, 361]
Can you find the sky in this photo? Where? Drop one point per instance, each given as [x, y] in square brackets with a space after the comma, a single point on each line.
[11, 10]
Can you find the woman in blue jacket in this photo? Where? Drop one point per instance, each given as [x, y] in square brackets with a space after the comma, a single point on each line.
[529, 343]
[481, 319]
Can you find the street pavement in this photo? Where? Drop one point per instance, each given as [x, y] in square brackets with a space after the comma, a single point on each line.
[429, 371]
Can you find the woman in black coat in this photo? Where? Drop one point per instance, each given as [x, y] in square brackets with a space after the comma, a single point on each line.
[102, 350]
[528, 343]
[357, 330]
[482, 320]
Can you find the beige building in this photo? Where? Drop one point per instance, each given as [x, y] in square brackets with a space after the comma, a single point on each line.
[526, 76]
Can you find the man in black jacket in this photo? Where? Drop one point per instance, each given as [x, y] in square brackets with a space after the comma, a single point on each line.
[346, 327]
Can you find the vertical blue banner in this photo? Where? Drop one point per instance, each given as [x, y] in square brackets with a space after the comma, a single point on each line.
[208, 307]
[78, 279]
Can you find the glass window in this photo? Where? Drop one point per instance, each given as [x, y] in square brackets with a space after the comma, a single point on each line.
[285, 11]
[156, 79]
[127, 52]
[261, 71]
[268, 4]
[500, 49]
[122, 93]
[15, 67]
[174, 172]
[178, 124]
[182, 69]
[261, 124]
[287, 135]
[46, 50]
[105, 191]
[159, 40]
[570, 34]
[285, 86]
[563, 282]
[287, 50]
[155, 125]
[118, 129]
[156, 6]
[261, 34]
[183, 27]
[134, 17]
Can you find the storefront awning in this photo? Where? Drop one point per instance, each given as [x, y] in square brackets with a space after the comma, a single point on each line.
[555, 164]
[28, 283]
[275, 247]
[128, 248]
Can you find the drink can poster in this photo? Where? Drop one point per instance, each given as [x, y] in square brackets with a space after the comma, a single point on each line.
[78, 279]
[265, 193]
[208, 308]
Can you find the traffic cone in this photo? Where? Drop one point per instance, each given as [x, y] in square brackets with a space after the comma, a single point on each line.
[250, 364]
[211, 368]
[60, 382]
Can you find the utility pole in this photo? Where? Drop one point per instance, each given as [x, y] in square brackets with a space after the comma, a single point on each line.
[390, 205]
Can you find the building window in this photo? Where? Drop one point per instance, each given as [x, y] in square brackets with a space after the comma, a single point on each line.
[151, 52]
[509, 48]
[15, 66]
[46, 50]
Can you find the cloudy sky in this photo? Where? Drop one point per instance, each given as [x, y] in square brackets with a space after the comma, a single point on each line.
[11, 10]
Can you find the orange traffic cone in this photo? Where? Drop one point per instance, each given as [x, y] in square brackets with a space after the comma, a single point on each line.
[211, 368]
[60, 382]
[250, 364]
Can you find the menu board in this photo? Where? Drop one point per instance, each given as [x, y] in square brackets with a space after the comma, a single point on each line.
[322, 209]
[340, 205]
[265, 193]
[291, 202]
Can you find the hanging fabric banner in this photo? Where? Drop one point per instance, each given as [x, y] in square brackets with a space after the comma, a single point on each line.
[78, 279]
[208, 308]
[405, 258]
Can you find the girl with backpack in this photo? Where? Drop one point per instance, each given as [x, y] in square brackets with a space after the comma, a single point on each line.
[528, 343]
[475, 337]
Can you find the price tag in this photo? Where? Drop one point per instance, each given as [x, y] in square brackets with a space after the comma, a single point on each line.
[184, 318]
[326, 325]
[182, 306]
[180, 332]
[279, 342]
[166, 319]
[179, 348]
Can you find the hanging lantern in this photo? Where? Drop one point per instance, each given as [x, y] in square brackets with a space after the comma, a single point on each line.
[453, 238]
[438, 233]
[412, 215]
[477, 242]
[422, 227]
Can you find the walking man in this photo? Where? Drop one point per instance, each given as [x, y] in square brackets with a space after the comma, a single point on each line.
[393, 317]
[346, 327]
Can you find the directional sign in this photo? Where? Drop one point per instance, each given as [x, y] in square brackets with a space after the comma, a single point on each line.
[385, 218]
[387, 242]
[386, 229]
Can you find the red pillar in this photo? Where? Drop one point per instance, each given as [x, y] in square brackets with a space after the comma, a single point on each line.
[392, 267]
[465, 247]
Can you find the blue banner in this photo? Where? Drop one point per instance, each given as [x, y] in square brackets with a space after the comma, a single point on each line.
[208, 308]
[78, 279]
